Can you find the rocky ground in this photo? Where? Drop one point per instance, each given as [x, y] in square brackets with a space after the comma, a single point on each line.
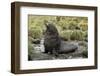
[81, 52]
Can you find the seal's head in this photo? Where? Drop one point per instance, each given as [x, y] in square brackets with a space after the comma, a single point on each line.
[50, 27]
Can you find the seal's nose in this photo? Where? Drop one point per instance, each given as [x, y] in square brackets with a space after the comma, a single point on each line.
[47, 25]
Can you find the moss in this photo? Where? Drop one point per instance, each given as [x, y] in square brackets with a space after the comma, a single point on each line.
[30, 50]
[83, 26]
[85, 54]
[73, 25]
[65, 35]
[35, 32]
[77, 35]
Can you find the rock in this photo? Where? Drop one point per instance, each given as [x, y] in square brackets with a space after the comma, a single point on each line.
[83, 43]
[67, 47]
[36, 41]
[41, 56]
